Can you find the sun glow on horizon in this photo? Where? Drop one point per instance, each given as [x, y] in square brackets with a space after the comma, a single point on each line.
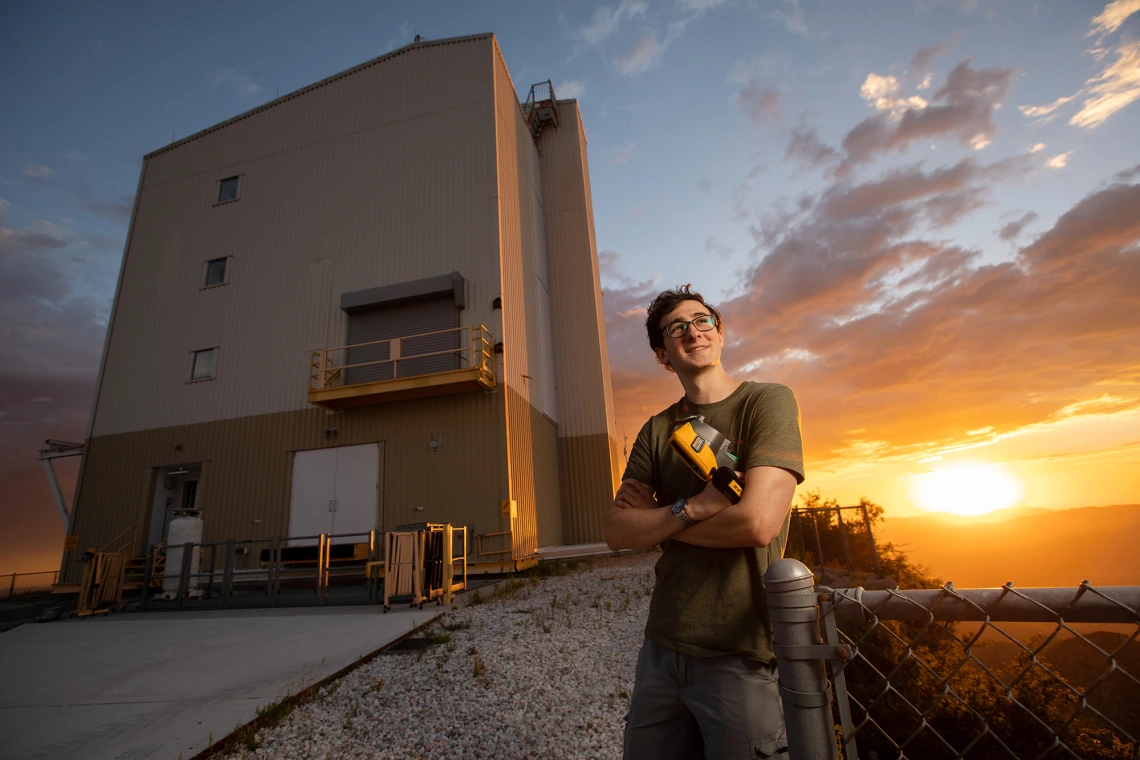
[967, 490]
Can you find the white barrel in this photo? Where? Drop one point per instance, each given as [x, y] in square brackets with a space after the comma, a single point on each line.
[183, 530]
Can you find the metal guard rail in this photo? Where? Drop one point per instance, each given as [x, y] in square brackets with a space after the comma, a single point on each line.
[323, 370]
[907, 683]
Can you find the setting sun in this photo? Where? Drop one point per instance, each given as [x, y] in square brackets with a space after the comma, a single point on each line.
[967, 489]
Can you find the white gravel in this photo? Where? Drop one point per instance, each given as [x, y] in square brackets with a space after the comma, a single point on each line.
[544, 670]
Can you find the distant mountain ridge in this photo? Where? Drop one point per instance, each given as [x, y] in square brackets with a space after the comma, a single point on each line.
[1026, 545]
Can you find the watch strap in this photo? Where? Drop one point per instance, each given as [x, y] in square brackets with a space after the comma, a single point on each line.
[680, 513]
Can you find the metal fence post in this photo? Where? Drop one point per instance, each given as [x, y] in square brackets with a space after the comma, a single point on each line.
[274, 569]
[843, 537]
[148, 577]
[184, 575]
[227, 573]
[871, 538]
[804, 689]
[819, 546]
[322, 555]
[12, 586]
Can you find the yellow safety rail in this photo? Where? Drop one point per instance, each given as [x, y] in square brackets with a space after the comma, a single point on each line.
[324, 370]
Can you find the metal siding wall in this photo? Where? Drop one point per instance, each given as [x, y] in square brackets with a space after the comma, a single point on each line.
[582, 360]
[587, 483]
[383, 175]
[548, 500]
[588, 458]
[518, 309]
[247, 467]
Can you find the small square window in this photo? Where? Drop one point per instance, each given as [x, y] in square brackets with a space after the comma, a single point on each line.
[227, 189]
[203, 364]
[215, 272]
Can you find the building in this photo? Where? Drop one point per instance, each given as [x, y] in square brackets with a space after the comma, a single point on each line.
[412, 205]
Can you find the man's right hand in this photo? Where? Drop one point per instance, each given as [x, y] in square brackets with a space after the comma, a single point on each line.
[633, 494]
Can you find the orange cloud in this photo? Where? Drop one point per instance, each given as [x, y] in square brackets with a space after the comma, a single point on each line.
[911, 341]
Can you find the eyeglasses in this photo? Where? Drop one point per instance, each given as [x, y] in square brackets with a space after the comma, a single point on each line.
[703, 322]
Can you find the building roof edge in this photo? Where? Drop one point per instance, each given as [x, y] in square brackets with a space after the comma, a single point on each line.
[308, 88]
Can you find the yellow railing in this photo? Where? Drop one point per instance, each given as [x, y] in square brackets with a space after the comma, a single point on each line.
[325, 371]
[123, 543]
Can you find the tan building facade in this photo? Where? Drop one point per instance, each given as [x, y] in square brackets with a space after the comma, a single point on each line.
[371, 302]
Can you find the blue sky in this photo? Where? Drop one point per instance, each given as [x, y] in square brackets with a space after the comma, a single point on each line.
[748, 147]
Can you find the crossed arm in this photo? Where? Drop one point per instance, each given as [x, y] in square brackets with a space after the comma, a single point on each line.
[637, 521]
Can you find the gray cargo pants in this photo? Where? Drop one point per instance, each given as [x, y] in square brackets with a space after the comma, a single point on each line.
[713, 707]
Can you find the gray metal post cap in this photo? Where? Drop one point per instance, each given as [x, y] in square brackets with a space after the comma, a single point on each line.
[788, 575]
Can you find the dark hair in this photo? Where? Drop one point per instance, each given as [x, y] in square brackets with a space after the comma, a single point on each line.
[664, 303]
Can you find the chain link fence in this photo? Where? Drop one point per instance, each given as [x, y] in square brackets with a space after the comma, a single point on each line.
[957, 673]
[836, 542]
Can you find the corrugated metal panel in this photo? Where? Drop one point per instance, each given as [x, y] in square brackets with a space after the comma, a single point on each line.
[518, 307]
[588, 482]
[547, 499]
[395, 322]
[382, 176]
[247, 462]
[589, 465]
[585, 400]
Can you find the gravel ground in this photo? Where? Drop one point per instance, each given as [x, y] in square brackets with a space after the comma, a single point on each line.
[543, 669]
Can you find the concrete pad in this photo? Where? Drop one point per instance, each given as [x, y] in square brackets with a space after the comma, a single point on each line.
[157, 684]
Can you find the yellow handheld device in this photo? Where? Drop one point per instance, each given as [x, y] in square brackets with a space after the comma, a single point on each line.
[705, 451]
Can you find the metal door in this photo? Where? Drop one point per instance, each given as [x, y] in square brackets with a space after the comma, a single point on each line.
[357, 491]
[313, 491]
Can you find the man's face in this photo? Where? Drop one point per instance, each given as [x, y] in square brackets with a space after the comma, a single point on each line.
[695, 350]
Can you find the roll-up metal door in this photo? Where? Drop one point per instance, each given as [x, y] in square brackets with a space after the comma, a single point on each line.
[411, 319]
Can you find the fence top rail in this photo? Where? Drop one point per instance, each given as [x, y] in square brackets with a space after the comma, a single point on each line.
[1084, 604]
[825, 509]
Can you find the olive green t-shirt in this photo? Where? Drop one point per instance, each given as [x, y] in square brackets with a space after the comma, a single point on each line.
[709, 602]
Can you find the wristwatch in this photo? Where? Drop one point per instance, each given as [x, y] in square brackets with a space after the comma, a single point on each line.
[680, 513]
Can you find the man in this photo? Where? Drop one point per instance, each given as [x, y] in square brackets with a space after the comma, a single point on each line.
[706, 681]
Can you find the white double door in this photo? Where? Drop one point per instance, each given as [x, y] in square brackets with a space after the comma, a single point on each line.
[336, 491]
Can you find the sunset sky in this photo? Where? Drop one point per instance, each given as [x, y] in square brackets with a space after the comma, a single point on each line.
[923, 216]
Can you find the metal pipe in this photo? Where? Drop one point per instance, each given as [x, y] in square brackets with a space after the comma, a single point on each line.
[804, 689]
[57, 494]
[1111, 604]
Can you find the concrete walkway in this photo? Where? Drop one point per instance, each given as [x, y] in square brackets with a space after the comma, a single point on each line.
[157, 684]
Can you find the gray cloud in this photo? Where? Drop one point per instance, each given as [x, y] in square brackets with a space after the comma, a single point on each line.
[1010, 232]
[924, 56]
[38, 171]
[758, 102]
[962, 109]
[47, 327]
[806, 147]
[237, 83]
[1127, 174]
[117, 211]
